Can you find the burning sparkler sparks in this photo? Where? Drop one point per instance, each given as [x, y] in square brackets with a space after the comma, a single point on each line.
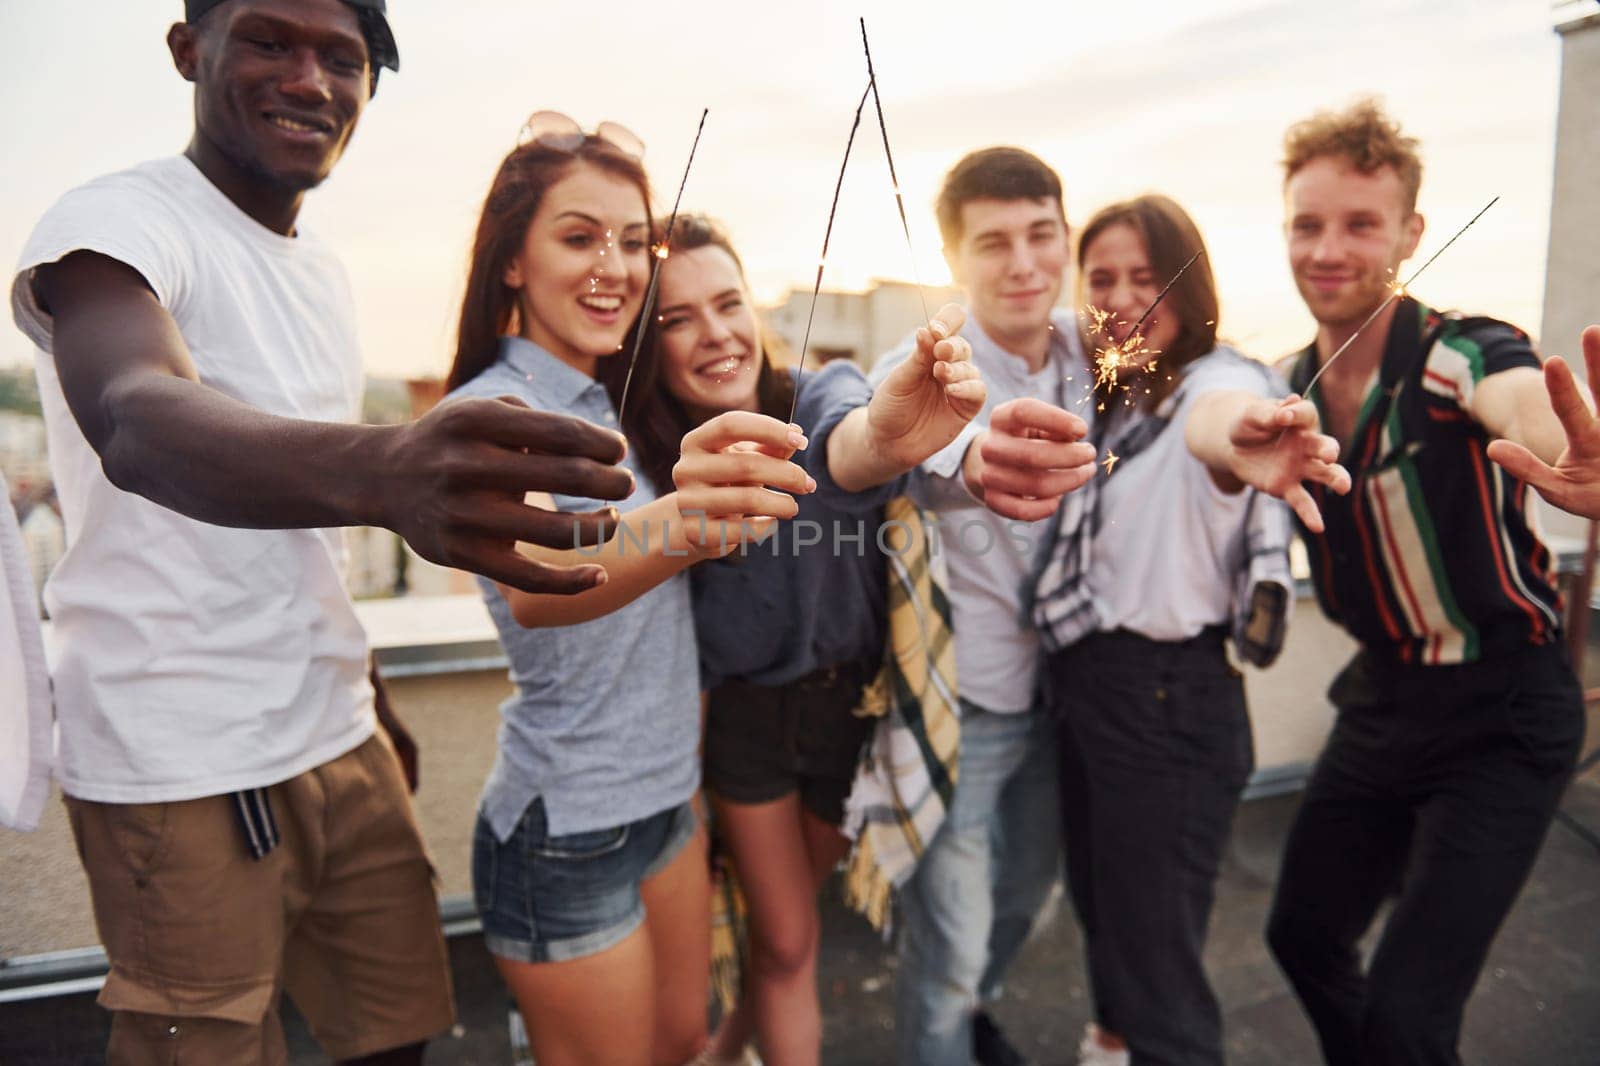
[822, 261]
[1128, 356]
[1111, 460]
[661, 253]
[1397, 290]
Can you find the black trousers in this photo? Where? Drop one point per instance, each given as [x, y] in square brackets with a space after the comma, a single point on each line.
[1155, 749]
[1437, 785]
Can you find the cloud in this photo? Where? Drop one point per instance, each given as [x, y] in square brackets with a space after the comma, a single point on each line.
[1187, 98]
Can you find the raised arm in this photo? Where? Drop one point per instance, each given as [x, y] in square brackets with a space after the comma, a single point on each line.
[918, 409]
[1567, 471]
[1516, 405]
[452, 483]
[729, 478]
[1275, 446]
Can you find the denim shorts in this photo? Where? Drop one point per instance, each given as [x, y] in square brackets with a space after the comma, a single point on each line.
[546, 898]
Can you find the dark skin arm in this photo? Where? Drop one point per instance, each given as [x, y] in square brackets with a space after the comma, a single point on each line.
[405, 745]
[452, 483]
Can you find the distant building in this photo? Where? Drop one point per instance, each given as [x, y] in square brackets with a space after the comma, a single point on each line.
[374, 562]
[425, 394]
[26, 465]
[859, 326]
[23, 458]
[381, 564]
[44, 533]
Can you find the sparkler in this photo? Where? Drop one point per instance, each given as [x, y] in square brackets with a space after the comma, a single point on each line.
[1111, 460]
[899, 201]
[1129, 354]
[661, 253]
[1399, 290]
[1162, 295]
[816, 289]
[1110, 363]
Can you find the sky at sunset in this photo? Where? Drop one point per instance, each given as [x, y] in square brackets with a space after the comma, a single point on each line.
[1188, 99]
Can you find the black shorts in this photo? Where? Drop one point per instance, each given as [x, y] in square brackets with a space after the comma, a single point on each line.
[764, 743]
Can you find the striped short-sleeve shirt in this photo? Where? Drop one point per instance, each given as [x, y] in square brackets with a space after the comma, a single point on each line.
[1433, 557]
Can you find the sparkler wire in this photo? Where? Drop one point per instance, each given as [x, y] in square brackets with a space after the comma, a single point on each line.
[816, 289]
[655, 269]
[1148, 311]
[1108, 361]
[1402, 287]
[899, 200]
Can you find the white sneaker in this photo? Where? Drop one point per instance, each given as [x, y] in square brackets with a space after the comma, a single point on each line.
[1093, 1053]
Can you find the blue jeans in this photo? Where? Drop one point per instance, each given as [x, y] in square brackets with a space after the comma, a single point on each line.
[967, 910]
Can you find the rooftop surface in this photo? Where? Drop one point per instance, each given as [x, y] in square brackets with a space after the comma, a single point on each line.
[1538, 1000]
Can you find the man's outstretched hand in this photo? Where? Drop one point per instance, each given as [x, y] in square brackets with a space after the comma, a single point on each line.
[926, 400]
[1032, 454]
[455, 483]
[1278, 447]
[1573, 482]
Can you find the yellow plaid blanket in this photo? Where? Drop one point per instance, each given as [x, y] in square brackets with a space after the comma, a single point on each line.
[907, 771]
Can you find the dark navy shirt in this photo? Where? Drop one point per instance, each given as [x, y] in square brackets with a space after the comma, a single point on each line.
[1433, 557]
[812, 595]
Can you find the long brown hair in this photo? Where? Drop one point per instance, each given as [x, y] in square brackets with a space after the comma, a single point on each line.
[489, 305]
[655, 421]
[1170, 237]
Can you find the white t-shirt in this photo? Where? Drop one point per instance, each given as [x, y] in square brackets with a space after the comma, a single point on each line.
[191, 659]
[1170, 546]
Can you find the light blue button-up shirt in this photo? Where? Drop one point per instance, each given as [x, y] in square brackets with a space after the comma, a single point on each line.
[605, 722]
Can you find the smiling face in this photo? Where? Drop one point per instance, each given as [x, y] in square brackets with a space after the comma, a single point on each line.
[1012, 259]
[279, 86]
[581, 270]
[1119, 281]
[1348, 232]
[710, 345]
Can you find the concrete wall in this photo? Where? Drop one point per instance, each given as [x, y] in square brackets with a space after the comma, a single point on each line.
[454, 718]
[1572, 269]
[1289, 709]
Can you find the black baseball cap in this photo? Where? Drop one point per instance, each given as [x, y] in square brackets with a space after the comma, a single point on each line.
[372, 14]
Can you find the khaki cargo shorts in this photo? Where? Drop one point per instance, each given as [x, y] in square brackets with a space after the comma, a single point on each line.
[343, 916]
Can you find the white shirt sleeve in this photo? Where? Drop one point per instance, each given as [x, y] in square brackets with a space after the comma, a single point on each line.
[117, 219]
[1231, 375]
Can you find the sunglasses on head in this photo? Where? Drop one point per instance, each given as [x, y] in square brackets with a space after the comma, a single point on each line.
[552, 129]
